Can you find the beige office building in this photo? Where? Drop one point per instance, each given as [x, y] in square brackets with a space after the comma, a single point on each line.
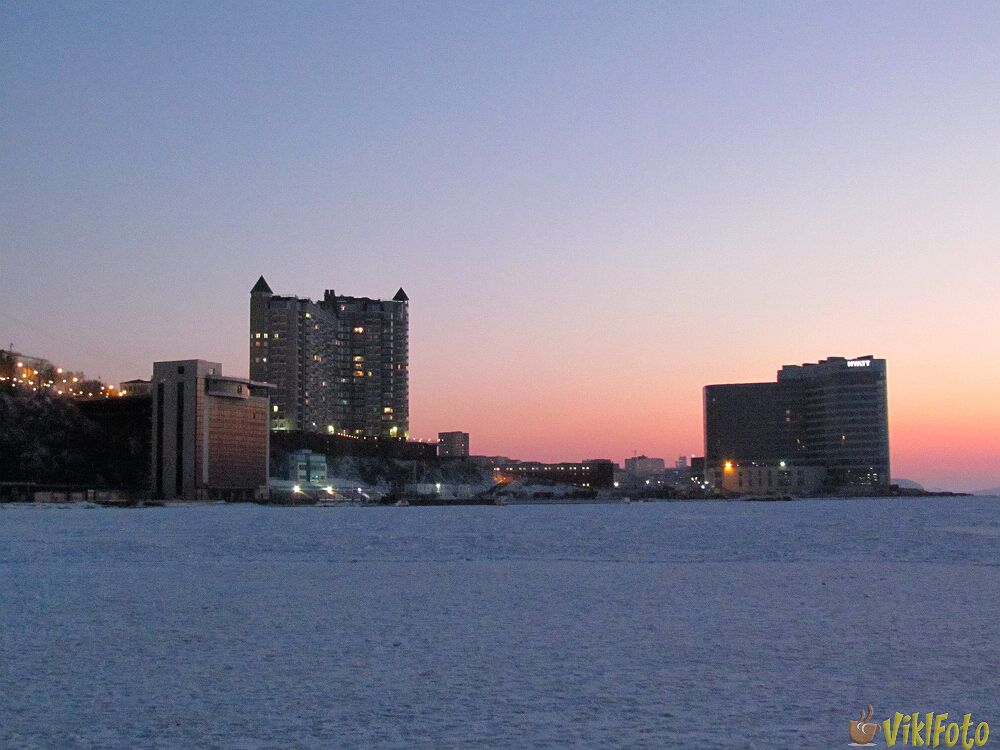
[210, 433]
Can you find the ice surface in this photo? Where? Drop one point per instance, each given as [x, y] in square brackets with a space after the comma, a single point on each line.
[649, 625]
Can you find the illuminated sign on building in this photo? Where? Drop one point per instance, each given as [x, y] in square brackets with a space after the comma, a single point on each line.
[858, 362]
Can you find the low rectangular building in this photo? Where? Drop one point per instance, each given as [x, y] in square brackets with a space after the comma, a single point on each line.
[453, 445]
[643, 467]
[136, 387]
[779, 478]
[307, 467]
[590, 474]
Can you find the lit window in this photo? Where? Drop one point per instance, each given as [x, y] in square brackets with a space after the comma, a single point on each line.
[359, 329]
[274, 408]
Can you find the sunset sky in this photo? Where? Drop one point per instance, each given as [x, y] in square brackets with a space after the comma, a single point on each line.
[595, 209]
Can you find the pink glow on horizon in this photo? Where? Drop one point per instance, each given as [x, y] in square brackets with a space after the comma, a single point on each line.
[595, 209]
[935, 439]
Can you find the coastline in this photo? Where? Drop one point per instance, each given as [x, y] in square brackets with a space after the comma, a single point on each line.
[419, 502]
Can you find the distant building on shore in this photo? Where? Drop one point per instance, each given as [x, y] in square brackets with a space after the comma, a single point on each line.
[307, 467]
[453, 445]
[590, 474]
[210, 433]
[645, 474]
[832, 415]
[643, 467]
[697, 469]
[339, 365]
[136, 387]
[782, 478]
[332, 446]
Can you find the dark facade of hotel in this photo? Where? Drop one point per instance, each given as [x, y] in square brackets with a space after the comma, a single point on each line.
[339, 365]
[831, 414]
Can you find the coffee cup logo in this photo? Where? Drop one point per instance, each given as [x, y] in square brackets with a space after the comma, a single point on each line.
[863, 731]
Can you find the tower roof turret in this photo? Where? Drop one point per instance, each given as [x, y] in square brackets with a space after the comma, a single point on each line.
[261, 287]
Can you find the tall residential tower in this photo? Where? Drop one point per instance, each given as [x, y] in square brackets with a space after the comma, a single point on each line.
[339, 365]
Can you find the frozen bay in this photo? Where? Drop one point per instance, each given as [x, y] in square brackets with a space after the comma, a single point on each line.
[697, 624]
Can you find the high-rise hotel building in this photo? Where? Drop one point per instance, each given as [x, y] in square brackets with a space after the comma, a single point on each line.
[831, 414]
[338, 365]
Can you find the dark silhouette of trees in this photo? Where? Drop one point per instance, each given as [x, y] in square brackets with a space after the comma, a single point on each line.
[56, 440]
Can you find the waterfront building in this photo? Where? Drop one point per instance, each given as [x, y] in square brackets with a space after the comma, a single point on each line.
[697, 469]
[453, 445]
[781, 478]
[210, 433]
[491, 462]
[338, 446]
[307, 467]
[747, 422]
[339, 365]
[843, 417]
[135, 387]
[832, 414]
[643, 467]
[589, 474]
